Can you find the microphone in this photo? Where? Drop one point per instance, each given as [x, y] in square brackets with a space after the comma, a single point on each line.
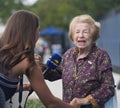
[52, 63]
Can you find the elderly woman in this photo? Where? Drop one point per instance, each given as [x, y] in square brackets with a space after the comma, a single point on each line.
[86, 69]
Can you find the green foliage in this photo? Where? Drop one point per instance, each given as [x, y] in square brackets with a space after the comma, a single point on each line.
[7, 7]
[34, 103]
[59, 12]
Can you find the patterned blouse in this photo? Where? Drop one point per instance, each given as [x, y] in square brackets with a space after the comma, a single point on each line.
[91, 75]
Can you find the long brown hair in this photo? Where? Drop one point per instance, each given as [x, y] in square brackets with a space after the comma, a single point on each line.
[18, 38]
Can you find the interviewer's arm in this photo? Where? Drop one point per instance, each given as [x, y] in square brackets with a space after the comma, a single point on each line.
[38, 84]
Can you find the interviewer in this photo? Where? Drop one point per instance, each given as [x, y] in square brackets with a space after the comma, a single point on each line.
[17, 57]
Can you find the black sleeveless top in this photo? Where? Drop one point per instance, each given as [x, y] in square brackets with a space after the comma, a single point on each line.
[8, 85]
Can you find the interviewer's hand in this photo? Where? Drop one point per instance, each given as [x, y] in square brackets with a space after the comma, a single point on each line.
[79, 101]
[38, 58]
[75, 102]
[26, 87]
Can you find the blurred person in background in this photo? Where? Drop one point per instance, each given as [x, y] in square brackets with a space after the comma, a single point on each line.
[17, 58]
[39, 47]
[86, 69]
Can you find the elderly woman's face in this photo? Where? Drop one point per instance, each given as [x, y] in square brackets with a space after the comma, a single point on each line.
[82, 35]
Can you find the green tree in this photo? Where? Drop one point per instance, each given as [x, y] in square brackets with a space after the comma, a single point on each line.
[59, 12]
[7, 7]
